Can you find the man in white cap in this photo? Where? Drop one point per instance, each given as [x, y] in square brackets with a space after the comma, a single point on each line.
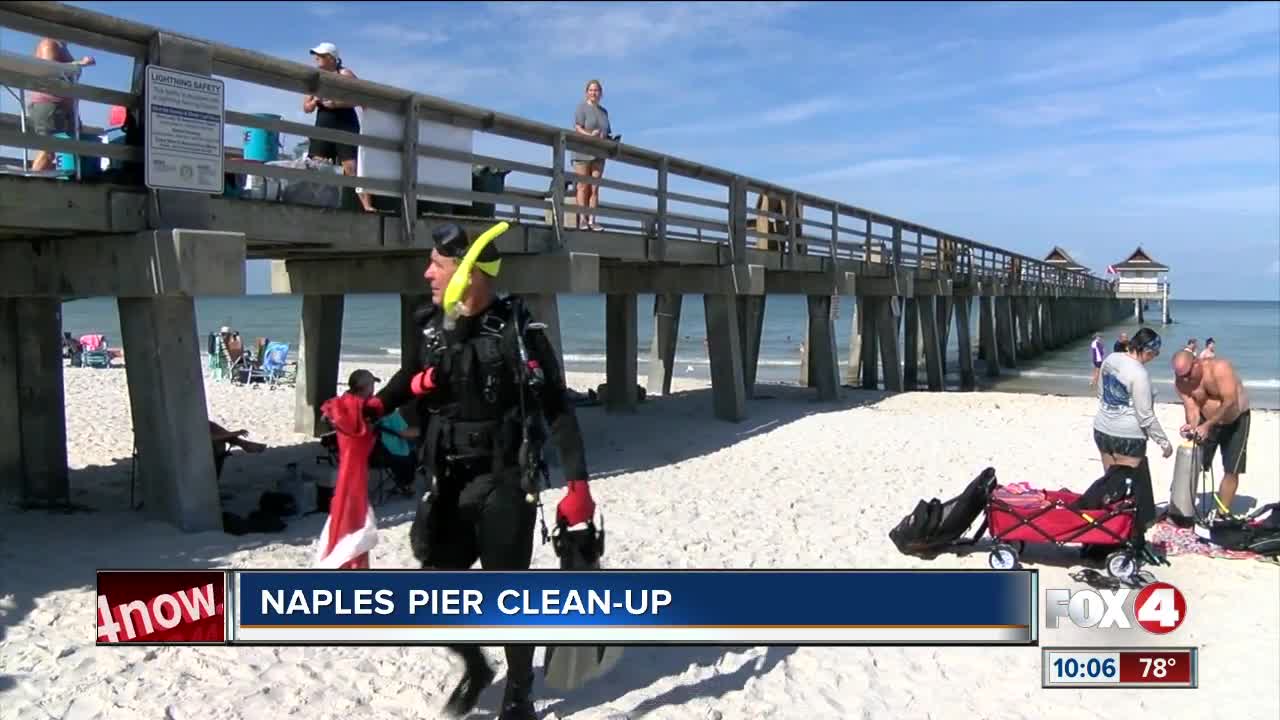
[335, 115]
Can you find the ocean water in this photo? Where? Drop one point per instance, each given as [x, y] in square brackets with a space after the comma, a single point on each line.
[1247, 333]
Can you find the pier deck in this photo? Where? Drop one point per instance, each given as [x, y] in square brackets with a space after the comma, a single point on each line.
[690, 229]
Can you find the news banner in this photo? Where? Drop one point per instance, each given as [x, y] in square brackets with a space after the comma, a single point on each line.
[649, 607]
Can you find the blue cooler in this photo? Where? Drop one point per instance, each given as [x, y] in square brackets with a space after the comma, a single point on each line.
[262, 145]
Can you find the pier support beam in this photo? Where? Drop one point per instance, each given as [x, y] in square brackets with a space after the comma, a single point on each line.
[824, 367]
[319, 351]
[666, 334]
[410, 332]
[963, 345]
[869, 355]
[888, 315]
[1022, 318]
[987, 336]
[170, 415]
[33, 419]
[750, 331]
[1037, 328]
[931, 341]
[724, 344]
[912, 308]
[853, 371]
[1006, 350]
[621, 350]
[946, 308]
[545, 308]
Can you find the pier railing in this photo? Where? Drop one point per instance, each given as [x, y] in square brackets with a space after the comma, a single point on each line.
[709, 204]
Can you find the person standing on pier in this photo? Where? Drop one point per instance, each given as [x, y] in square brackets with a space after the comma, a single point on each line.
[49, 114]
[593, 120]
[334, 115]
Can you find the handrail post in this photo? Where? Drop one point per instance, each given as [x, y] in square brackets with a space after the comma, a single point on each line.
[897, 246]
[409, 170]
[796, 226]
[738, 220]
[557, 186]
[866, 247]
[659, 246]
[835, 233]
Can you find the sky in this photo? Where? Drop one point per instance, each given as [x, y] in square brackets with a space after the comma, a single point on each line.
[1097, 127]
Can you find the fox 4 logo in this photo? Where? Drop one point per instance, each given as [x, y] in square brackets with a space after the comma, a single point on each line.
[1158, 608]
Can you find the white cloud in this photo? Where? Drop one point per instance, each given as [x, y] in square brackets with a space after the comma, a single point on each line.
[1121, 52]
[404, 36]
[324, 9]
[775, 117]
[1260, 200]
[883, 166]
[1262, 67]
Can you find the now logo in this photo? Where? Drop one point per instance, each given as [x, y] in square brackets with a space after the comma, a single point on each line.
[138, 619]
[1158, 608]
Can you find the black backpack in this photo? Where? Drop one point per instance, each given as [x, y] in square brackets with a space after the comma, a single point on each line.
[934, 525]
[1259, 533]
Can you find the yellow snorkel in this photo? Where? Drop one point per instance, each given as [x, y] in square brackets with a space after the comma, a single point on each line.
[452, 301]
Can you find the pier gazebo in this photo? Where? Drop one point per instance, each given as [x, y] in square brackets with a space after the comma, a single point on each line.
[1060, 258]
[1141, 279]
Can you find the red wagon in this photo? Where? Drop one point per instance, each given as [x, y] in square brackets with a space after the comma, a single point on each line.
[1035, 516]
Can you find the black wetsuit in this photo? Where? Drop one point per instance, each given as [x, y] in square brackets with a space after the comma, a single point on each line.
[334, 119]
[477, 509]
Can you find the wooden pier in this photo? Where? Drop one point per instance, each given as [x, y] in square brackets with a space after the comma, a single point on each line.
[694, 230]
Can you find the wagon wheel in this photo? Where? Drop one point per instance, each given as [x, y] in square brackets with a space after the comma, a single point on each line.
[1121, 565]
[1003, 557]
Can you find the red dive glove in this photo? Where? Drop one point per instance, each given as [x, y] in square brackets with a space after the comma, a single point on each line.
[374, 409]
[426, 381]
[577, 507]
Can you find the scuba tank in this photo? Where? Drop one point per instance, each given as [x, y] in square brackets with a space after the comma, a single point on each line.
[1186, 468]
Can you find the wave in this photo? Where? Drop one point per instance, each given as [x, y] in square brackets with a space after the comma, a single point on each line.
[596, 358]
[1267, 384]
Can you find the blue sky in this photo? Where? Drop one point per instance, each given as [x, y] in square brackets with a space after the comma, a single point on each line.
[1094, 126]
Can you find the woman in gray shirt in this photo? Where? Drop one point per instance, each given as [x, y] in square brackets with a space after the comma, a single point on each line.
[590, 119]
[1126, 416]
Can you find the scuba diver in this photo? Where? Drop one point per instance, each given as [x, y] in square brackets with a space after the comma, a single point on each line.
[486, 376]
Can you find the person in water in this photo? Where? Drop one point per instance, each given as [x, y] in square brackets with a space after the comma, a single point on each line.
[1095, 354]
[1217, 413]
[1126, 417]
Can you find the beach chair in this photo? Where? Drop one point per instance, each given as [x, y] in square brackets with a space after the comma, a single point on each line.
[381, 477]
[94, 352]
[271, 370]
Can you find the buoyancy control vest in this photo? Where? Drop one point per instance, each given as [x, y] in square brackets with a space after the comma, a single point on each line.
[477, 415]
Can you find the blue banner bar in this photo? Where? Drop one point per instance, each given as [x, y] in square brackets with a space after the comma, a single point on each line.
[616, 605]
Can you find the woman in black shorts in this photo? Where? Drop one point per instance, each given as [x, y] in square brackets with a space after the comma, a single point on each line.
[335, 115]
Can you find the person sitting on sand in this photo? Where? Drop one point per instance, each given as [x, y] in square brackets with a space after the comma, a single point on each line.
[1126, 416]
[395, 438]
[224, 439]
[1217, 411]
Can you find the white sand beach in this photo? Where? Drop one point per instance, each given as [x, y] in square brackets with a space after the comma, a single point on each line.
[800, 484]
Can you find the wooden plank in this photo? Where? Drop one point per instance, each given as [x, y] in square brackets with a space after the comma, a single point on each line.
[659, 246]
[409, 173]
[33, 141]
[18, 16]
[246, 167]
[62, 88]
[310, 131]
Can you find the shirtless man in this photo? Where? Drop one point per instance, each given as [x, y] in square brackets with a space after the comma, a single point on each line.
[1217, 413]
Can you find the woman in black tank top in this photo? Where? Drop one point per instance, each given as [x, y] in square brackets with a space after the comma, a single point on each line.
[335, 115]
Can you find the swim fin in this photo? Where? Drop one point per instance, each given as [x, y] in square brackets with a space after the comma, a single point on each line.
[572, 666]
